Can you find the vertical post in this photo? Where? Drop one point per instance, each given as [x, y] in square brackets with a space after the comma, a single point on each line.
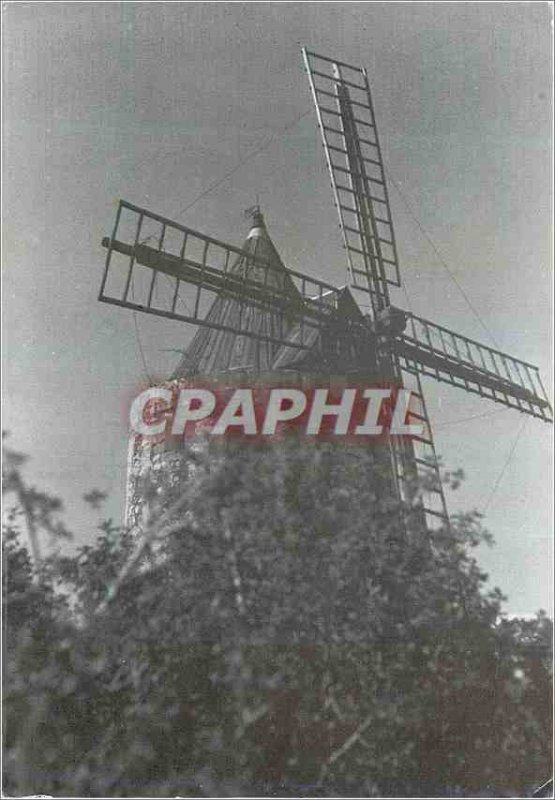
[519, 374]
[153, 279]
[177, 280]
[479, 348]
[531, 380]
[109, 253]
[132, 258]
[175, 295]
[428, 339]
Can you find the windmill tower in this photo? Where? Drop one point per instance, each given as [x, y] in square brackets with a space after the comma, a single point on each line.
[259, 319]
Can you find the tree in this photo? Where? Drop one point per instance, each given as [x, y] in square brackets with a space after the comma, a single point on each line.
[281, 634]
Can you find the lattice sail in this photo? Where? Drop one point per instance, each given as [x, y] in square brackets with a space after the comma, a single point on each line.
[161, 267]
[415, 462]
[350, 136]
[431, 350]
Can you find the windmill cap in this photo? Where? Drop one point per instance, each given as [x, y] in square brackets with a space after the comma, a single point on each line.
[258, 226]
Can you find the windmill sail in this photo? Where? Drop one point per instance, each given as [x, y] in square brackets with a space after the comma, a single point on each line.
[349, 132]
[435, 351]
[347, 123]
[160, 267]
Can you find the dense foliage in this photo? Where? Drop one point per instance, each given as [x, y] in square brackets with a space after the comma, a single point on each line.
[279, 635]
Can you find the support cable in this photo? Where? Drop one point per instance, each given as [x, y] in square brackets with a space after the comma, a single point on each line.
[262, 146]
[505, 465]
[251, 154]
[448, 423]
[139, 343]
[441, 259]
[141, 351]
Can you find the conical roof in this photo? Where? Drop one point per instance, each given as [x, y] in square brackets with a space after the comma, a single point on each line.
[331, 348]
[214, 351]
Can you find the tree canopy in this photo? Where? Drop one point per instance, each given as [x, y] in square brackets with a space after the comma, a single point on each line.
[281, 632]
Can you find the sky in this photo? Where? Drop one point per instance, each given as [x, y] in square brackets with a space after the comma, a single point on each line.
[157, 102]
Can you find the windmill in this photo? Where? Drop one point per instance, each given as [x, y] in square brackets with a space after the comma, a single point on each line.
[255, 315]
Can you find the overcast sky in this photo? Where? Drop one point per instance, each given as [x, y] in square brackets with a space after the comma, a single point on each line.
[155, 102]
